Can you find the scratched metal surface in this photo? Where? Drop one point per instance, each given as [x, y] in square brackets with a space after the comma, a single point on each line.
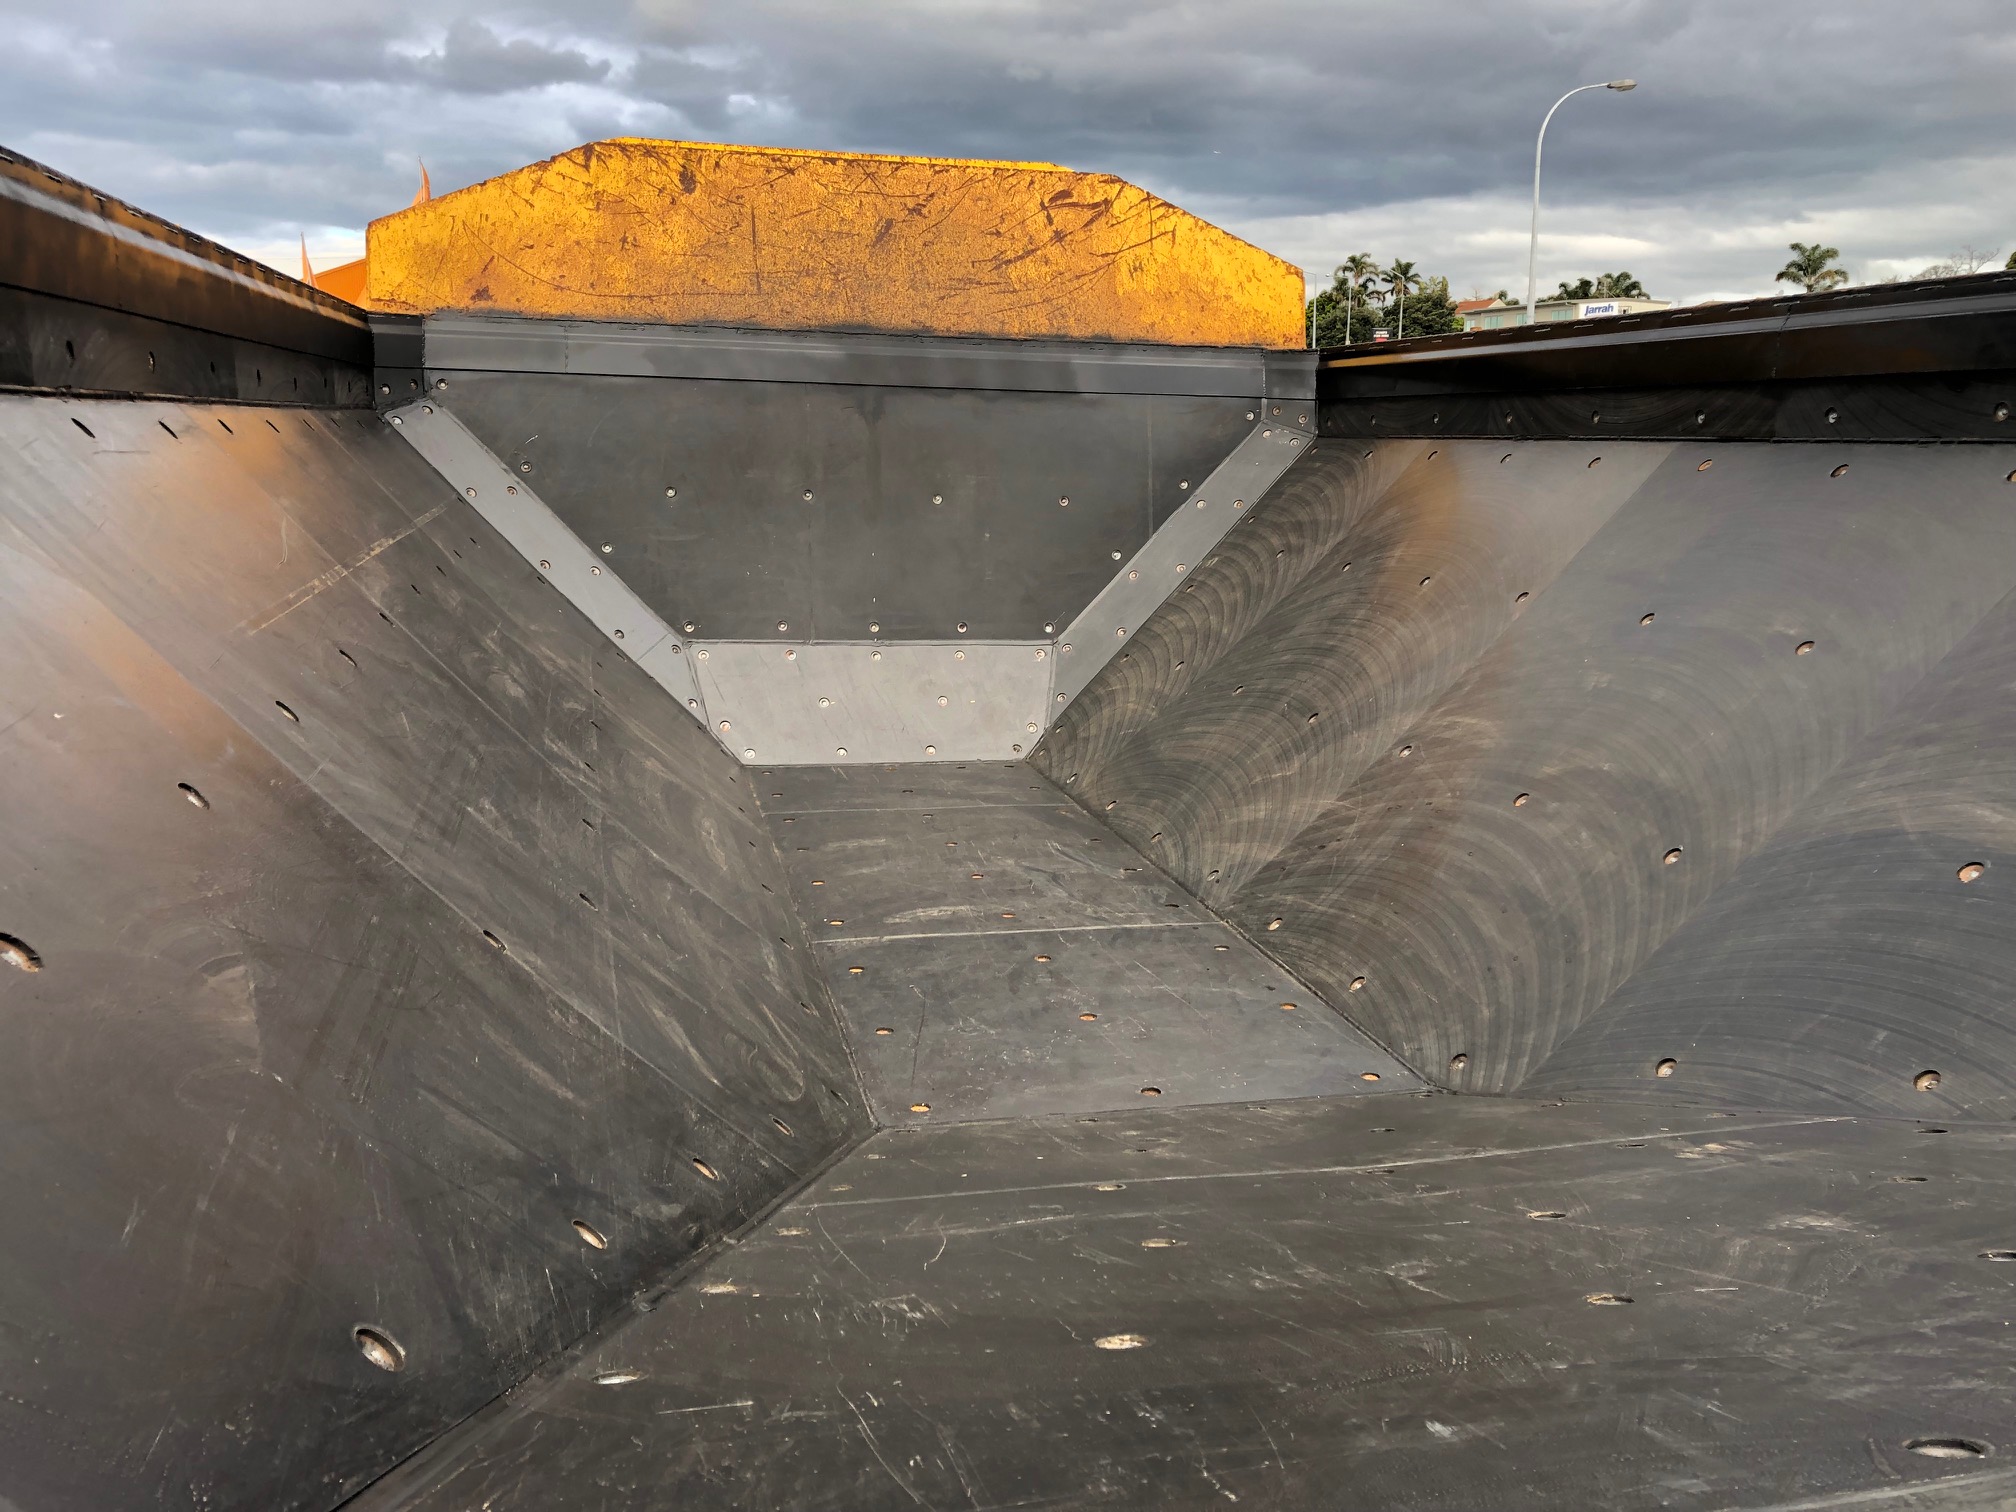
[928, 508]
[1336, 1302]
[1856, 908]
[272, 1081]
[1385, 842]
[998, 953]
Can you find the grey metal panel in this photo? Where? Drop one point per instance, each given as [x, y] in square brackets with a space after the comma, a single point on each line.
[815, 705]
[66, 240]
[997, 956]
[620, 349]
[1336, 1302]
[433, 689]
[1482, 927]
[70, 346]
[1179, 543]
[271, 1081]
[805, 790]
[1291, 375]
[1361, 589]
[910, 870]
[738, 549]
[1848, 957]
[511, 507]
[958, 1026]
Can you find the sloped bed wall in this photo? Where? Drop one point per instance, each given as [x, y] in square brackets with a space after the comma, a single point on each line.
[383, 952]
[1655, 770]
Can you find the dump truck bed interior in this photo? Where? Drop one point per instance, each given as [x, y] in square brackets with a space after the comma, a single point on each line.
[921, 865]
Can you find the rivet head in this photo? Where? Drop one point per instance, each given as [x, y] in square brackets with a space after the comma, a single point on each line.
[1971, 871]
[607, 547]
[808, 493]
[1671, 856]
[544, 565]
[958, 656]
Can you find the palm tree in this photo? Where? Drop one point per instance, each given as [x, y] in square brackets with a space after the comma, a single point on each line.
[1352, 275]
[1618, 286]
[1401, 279]
[1809, 268]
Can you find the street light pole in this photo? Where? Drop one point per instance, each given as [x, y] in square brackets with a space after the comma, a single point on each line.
[1533, 247]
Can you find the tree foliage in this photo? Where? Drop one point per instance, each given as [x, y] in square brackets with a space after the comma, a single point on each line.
[1812, 268]
[1604, 286]
[1363, 297]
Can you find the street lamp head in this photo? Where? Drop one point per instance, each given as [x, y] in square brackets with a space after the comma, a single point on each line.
[1622, 85]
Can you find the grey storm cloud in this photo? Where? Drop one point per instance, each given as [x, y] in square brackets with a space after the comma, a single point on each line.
[475, 60]
[243, 119]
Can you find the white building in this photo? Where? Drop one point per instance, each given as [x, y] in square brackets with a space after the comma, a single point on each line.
[1493, 314]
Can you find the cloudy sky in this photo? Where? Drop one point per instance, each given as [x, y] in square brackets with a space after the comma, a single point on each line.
[1312, 127]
